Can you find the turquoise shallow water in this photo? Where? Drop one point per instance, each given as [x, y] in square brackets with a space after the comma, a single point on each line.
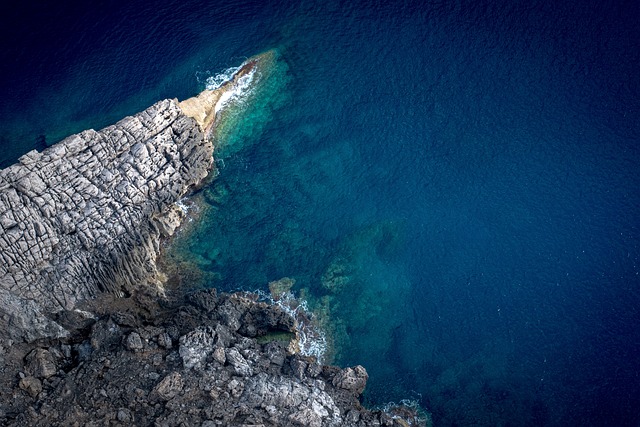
[455, 184]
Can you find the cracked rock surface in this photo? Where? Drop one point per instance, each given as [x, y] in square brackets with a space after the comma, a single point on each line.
[85, 216]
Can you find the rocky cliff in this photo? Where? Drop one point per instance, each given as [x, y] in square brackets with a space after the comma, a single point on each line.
[85, 216]
[88, 335]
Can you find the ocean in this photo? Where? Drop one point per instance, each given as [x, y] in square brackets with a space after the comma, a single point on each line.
[453, 186]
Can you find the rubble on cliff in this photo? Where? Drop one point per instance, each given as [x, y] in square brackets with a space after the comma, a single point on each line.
[205, 360]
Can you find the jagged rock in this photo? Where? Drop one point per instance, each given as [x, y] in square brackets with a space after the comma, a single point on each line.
[134, 342]
[352, 379]
[299, 367]
[314, 369]
[231, 312]
[254, 384]
[125, 415]
[170, 386]
[105, 333]
[196, 346]
[31, 385]
[206, 300]
[219, 355]
[238, 362]
[235, 387]
[164, 340]
[224, 337]
[275, 353]
[303, 405]
[124, 319]
[41, 363]
[258, 320]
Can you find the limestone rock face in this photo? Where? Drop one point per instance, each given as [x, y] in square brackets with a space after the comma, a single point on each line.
[85, 216]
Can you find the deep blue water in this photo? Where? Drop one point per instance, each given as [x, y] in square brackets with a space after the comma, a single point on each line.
[455, 183]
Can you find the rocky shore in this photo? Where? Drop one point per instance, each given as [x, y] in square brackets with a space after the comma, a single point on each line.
[89, 335]
[209, 360]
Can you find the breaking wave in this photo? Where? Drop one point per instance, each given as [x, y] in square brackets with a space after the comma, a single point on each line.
[216, 81]
[312, 341]
[238, 93]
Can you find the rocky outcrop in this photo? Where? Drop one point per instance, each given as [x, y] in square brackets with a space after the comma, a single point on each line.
[86, 215]
[189, 366]
[87, 334]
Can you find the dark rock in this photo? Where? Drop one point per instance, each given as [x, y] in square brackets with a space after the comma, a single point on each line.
[224, 337]
[298, 367]
[170, 386]
[134, 342]
[196, 346]
[83, 350]
[124, 319]
[238, 362]
[231, 311]
[205, 299]
[125, 415]
[245, 384]
[352, 379]
[219, 355]
[105, 334]
[275, 352]
[41, 363]
[31, 385]
[235, 387]
[164, 340]
[314, 369]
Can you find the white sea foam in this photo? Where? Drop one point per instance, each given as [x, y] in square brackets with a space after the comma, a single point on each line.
[312, 341]
[416, 420]
[214, 82]
[240, 89]
[186, 207]
[183, 206]
[237, 92]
